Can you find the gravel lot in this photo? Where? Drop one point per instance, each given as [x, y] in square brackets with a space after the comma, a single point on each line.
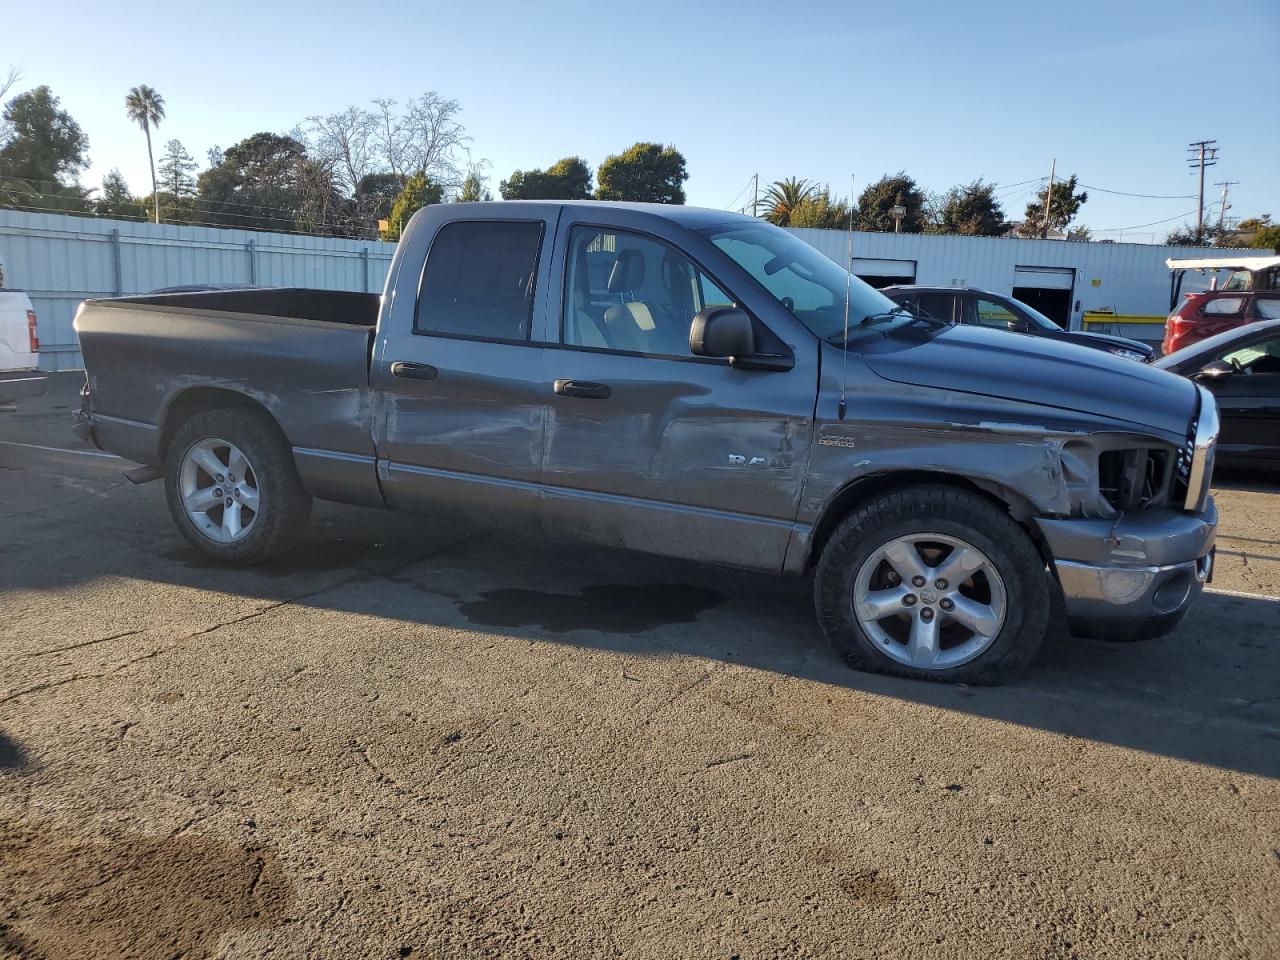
[417, 741]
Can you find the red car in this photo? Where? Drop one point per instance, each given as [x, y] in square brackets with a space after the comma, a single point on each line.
[1250, 293]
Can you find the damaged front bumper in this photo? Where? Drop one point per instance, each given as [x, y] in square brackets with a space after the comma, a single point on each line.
[1134, 577]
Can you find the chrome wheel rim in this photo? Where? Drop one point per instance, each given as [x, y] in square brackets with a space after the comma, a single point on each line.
[219, 489]
[930, 601]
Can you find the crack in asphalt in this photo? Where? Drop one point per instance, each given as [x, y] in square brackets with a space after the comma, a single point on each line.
[77, 646]
[261, 611]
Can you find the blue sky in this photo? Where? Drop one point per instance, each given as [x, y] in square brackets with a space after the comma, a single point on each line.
[947, 91]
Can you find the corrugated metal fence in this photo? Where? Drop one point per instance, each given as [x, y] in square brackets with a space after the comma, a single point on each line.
[60, 260]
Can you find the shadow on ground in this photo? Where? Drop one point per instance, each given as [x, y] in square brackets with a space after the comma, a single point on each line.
[1205, 694]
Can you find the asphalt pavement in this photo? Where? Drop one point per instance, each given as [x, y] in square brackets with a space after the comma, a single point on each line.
[413, 739]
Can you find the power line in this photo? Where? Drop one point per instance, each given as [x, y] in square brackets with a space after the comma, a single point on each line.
[1145, 196]
[333, 220]
[1153, 223]
[140, 200]
[33, 208]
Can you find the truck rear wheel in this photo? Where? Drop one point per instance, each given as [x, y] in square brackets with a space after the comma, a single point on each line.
[935, 583]
[232, 486]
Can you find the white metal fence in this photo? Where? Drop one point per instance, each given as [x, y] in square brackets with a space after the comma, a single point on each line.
[60, 260]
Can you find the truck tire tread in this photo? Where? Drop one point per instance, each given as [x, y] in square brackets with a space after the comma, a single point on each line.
[286, 503]
[943, 509]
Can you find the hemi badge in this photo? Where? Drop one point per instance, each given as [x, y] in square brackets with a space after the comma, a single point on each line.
[827, 440]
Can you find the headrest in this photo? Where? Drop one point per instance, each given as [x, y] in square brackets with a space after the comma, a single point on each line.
[627, 272]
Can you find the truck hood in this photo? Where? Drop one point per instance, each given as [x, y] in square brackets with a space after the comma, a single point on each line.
[1036, 370]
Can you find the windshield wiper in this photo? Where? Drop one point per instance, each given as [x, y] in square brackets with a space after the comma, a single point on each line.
[901, 313]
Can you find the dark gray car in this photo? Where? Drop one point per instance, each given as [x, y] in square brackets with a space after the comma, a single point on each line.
[982, 308]
[690, 383]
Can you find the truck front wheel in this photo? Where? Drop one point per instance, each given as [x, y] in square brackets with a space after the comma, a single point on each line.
[232, 486]
[936, 583]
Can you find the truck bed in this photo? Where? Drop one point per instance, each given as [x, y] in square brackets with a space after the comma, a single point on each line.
[303, 355]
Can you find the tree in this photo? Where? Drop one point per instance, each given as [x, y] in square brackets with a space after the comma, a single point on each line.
[116, 200]
[1186, 236]
[420, 191]
[645, 172]
[379, 192]
[1259, 232]
[1063, 207]
[255, 187]
[473, 189]
[176, 167]
[781, 199]
[971, 210]
[145, 107]
[426, 138]
[319, 206]
[45, 147]
[820, 210]
[878, 199]
[566, 179]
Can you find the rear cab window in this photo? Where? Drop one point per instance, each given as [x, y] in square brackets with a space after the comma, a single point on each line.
[478, 280]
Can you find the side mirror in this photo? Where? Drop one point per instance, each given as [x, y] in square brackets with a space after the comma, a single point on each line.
[1019, 326]
[1217, 370]
[722, 332]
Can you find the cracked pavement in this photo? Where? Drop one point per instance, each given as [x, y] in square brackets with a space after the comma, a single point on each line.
[415, 739]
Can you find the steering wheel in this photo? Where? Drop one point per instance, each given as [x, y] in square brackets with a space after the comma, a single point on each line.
[1235, 365]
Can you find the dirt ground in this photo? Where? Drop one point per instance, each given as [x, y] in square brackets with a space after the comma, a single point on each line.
[411, 740]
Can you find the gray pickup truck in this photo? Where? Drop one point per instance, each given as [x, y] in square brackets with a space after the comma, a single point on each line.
[680, 381]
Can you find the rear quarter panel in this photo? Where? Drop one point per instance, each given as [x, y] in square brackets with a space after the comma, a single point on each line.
[312, 377]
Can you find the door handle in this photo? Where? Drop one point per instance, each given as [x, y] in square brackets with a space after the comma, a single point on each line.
[414, 371]
[584, 389]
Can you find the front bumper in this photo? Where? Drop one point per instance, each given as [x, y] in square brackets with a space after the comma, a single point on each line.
[1134, 577]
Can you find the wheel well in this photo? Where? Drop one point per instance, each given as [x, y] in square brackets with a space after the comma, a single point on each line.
[853, 495]
[197, 400]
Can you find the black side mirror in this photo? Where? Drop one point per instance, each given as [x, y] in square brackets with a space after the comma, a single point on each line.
[722, 332]
[1217, 370]
[1019, 326]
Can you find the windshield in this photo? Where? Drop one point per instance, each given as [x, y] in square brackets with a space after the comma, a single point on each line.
[807, 283]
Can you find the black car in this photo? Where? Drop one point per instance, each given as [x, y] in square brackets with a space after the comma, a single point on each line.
[1241, 368]
[982, 308]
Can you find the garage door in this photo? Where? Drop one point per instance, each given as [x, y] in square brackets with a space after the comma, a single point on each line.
[882, 273]
[1045, 278]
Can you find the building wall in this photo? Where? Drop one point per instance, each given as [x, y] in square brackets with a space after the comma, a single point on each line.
[60, 260]
[1131, 278]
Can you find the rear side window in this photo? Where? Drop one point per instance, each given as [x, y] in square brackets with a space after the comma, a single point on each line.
[478, 281]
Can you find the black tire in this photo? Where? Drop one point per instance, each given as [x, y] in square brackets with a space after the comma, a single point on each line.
[285, 505]
[953, 512]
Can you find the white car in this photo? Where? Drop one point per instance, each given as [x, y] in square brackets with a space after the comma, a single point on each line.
[19, 347]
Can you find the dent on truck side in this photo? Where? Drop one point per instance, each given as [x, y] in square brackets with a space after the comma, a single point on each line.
[1041, 461]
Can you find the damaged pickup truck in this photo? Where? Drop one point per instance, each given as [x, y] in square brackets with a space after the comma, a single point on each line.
[689, 383]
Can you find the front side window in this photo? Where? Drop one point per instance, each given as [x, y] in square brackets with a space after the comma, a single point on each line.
[809, 284]
[628, 292]
[1259, 358]
[478, 280]
[988, 313]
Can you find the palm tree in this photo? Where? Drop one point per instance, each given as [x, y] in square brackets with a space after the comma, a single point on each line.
[782, 197]
[145, 107]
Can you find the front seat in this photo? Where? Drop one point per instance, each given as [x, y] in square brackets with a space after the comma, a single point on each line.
[627, 326]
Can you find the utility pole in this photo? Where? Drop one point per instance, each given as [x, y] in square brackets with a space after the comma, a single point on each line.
[1048, 199]
[1222, 210]
[755, 195]
[1204, 154]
